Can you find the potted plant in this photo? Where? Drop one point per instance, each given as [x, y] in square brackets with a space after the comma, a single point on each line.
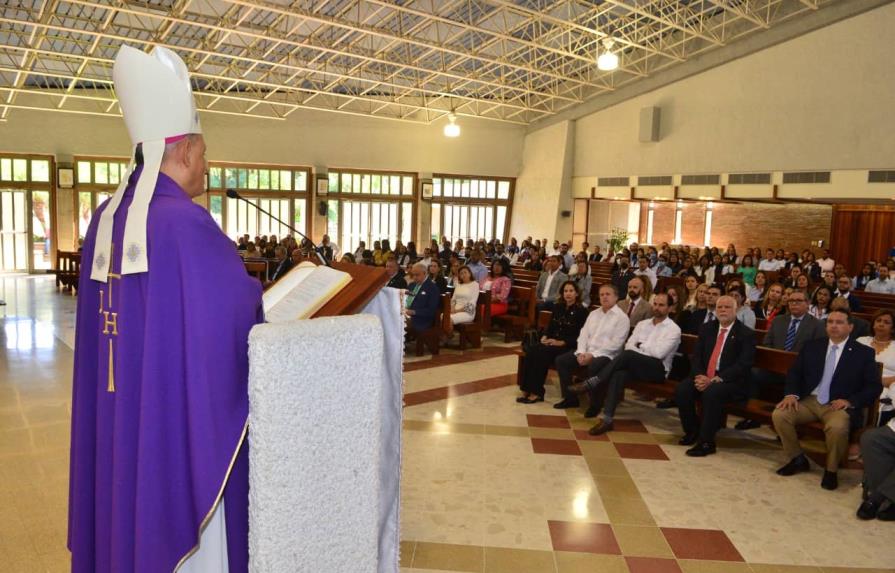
[617, 240]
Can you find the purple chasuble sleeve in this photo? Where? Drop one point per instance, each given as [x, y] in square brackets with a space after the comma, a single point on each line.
[160, 396]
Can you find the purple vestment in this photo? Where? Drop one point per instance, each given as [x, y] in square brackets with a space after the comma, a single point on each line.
[152, 448]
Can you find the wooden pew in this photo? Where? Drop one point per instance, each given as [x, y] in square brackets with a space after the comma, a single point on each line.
[521, 313]
[471, 332]
[431, 338]
[68, 270]
[257, 268]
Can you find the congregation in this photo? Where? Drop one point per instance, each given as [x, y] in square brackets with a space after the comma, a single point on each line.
[732, 304]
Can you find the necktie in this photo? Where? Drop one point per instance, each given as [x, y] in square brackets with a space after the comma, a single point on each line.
[716, 353]
[791, 334]
[709, 316]
[823, 389]
[631, 305]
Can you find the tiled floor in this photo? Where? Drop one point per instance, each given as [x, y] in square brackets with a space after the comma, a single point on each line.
[488, 484]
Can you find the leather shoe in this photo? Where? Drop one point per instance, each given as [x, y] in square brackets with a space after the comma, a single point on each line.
[868, 510]
[532, 400]
[600, 428]
[747, 424]
[887, 514]
[701, 450]
[796, 465]
[566, 403]
[591, 412]
[830, 480]
[666, 403]
[687, 440]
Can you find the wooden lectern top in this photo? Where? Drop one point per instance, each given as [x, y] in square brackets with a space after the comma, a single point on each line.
[365, 283]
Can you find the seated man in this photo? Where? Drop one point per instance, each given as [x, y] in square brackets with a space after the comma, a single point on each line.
[878, 447]
[601, 339]
[643, 270]
[692, 323]
[882, 283]
[844, 290]
[637, 306]
[787, 332]
[422, 300]
[860, 327]
[830, 391]
[549, 282]
[721, 365]
[647, 356]
[395, 275]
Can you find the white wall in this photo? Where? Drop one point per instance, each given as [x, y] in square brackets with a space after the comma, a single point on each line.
[820, 101]
[544, 186]
[304, 138]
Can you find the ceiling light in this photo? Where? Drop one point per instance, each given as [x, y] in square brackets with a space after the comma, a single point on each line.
[452, 129]
[607, 61]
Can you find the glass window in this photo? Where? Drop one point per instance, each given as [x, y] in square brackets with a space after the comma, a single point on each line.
[436, 188]
[253, 179]
[6, 169]
[503, 190]
[20, 170]
[333, 182]
[346, 183]
[230, 179]
[40, 170]
[216, 208]
[286, 180]
[114, 173]
[481, 210]
[101, 173]
[263, 179]
[243, 178]
[275, 180]
[84, 172]
[408, 186]
[214, 177]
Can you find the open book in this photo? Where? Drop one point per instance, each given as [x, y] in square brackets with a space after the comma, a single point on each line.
[302, 292]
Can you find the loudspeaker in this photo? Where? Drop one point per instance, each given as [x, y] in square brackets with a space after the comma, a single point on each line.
[321, 208]
[649, 124]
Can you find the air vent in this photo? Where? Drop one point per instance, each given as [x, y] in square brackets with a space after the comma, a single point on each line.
[613, 182]
[807, 177]
[881, 177]
[749, 179]
[653, 181]
[701, 180]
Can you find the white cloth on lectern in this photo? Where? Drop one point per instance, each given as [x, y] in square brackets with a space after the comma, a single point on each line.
[212, 552]
[387, 306]
[315, 421]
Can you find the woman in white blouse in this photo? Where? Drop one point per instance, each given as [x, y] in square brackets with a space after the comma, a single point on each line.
[881, 342]
[464, 299]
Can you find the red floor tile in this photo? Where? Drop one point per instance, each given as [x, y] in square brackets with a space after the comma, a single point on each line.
[562, 447]
[583, 435]
[640, 451]
[629, 426]
[541, 421]
[652, 565]
[707, 544]
[583, 537]
[457, 390]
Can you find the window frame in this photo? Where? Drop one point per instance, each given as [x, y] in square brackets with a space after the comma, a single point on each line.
[475, 201]
[401, 199]
[252, 193]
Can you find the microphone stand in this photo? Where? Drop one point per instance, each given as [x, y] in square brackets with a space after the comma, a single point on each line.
[232, 194]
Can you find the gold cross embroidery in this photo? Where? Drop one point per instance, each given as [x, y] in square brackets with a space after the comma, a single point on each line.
[110, 322]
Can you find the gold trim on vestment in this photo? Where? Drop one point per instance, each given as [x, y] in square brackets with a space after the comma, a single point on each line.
[217, 499]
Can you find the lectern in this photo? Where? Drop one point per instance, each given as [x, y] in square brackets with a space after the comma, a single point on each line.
[325, 411]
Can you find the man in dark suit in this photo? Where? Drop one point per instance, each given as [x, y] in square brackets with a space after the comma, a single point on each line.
[844, 290]
[860, 327]
[829, 389]
[721, 367]
[422, 300]
[787, 332]
[396, 276]
[692, 323]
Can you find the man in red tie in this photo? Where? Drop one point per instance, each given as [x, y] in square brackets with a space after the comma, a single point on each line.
[721, 367]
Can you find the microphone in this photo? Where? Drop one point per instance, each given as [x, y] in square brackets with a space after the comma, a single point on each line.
[232, 194]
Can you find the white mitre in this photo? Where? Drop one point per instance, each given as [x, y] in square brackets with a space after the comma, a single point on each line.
[157, 103]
